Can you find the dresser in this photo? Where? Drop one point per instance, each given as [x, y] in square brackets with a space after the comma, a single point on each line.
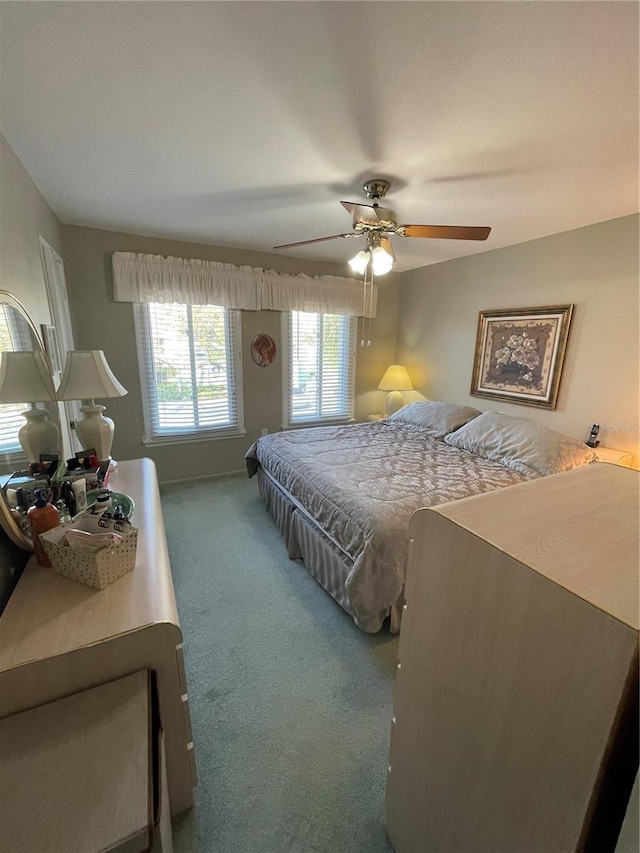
[59, 637]
[516, 696]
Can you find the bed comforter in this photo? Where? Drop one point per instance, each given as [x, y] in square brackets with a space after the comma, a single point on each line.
[362, 483]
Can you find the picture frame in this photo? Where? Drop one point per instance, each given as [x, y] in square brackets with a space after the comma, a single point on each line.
[519, 354]
[50, 340]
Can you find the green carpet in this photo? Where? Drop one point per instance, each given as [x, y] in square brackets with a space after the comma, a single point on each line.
[290, 702]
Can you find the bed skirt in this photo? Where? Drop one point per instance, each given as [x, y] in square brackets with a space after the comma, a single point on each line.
[305, 541]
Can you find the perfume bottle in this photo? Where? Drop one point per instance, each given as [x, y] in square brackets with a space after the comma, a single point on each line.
[65, 515]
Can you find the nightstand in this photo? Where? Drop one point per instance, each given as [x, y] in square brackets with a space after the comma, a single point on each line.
[375, 418]
[615, 457]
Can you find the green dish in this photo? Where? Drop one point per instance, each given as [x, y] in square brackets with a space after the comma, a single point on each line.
[117, 498]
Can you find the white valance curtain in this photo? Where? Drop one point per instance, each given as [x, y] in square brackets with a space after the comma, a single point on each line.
[154, 278]
[325, 294]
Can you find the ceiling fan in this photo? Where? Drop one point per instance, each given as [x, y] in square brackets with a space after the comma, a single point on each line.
[376, 222]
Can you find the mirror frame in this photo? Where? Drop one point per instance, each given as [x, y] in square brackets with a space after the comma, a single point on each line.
[7, 521]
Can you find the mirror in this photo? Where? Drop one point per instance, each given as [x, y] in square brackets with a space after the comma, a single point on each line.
[28, 425]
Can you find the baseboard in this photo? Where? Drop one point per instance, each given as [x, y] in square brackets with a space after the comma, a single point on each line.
[202, 477]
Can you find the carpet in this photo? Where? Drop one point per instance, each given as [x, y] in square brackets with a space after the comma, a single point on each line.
[290, 703]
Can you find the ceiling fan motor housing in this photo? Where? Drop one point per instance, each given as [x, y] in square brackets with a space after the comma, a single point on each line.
[376, 188]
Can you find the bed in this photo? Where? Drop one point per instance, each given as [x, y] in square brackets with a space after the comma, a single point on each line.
[342, 496]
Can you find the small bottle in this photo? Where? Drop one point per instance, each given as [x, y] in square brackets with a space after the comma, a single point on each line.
[65, 516]
[42, 517]
[80, 493]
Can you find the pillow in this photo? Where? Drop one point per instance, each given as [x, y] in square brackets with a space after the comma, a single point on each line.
[521, 445]
[437, 419]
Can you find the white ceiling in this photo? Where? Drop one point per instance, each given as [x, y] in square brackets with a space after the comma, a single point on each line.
[244, 124]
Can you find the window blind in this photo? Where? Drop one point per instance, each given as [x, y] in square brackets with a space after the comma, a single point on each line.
[11, 421]
[15, 336]
[320, 367]
[190, 371]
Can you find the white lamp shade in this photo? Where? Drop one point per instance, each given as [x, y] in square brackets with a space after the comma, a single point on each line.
[87, 376]
[380, 261]
[25, 378]
[396, 378]
[359, 262]
[379, 253]
[395, 381]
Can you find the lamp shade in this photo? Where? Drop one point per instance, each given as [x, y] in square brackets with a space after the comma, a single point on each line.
[87, 375]
[25, 378]
[379, 253]
[381, 261]
[396, 378]
[360, 262]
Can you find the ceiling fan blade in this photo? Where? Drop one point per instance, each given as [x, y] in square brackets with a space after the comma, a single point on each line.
[365, 213]
[317, 240]
[387, 245]
[445, 232]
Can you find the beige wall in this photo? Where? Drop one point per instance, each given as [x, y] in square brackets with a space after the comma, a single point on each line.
[24, 216]
[101, 323]
[595, 268]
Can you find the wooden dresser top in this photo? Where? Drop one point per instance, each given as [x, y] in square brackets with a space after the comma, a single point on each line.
[580, 529]
[49, 615]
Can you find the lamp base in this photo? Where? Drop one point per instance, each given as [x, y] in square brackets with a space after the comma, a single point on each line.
[95, 431]
[38, 435]
[395, 401]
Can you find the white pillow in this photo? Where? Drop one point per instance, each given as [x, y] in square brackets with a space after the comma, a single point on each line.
[521, 445]
[437, 419]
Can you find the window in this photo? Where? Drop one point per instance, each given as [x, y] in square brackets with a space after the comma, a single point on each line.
[320, 367]
[190, 371]
[15, 336]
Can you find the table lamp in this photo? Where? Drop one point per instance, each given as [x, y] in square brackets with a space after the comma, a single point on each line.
[25, 378]
[87, 376]
[395, 381]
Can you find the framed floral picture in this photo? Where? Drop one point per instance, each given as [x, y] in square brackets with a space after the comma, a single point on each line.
[519, 354]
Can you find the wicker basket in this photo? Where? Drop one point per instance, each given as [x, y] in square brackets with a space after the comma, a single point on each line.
[97, 569]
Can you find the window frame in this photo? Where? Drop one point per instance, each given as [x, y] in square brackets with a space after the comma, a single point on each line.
[288, 423]
[142, 333]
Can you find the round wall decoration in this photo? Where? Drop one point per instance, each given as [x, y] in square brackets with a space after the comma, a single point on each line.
[263, 350]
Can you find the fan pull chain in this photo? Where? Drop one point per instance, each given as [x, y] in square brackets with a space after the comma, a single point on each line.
[366, 328]
[370, 308]
[364, 306]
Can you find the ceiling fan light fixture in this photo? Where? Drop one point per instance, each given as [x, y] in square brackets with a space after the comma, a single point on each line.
[381, 261]
[360, 262]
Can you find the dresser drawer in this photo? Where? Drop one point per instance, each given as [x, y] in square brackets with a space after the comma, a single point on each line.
[80, 773]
